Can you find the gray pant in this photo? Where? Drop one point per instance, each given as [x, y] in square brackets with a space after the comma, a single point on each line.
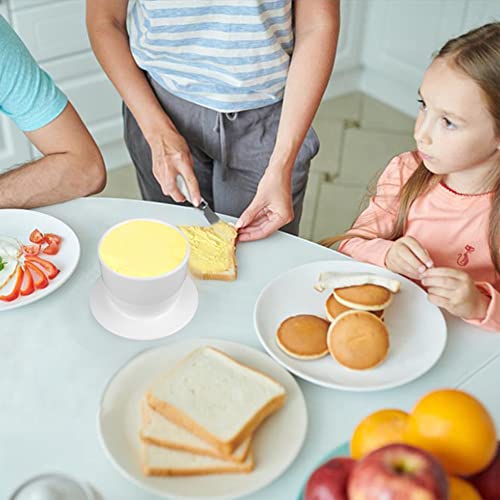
[230, 152]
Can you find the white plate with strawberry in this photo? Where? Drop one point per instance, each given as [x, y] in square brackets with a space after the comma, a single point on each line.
[38, 253]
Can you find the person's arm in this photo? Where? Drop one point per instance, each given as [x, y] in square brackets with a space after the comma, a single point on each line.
[477, 303]
[316, 33]
[106, 24]
[491, 320]
[72, 166]
[380, 216]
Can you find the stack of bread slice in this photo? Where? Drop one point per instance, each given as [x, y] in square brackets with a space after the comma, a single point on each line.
[199, 418]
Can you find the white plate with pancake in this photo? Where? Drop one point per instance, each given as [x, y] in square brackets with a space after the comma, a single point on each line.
[417, 329]
[275, 445]
[19, 224]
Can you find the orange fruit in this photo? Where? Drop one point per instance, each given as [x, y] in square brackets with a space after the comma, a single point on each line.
[462, 490]
[456, 428]
[376, 430]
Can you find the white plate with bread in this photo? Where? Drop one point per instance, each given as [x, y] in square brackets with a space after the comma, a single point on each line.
[414, 329]
[202, 418]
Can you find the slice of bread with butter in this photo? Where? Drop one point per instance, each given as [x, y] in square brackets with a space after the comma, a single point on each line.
[213, 251]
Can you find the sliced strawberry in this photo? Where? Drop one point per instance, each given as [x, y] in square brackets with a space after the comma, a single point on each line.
[49, 268]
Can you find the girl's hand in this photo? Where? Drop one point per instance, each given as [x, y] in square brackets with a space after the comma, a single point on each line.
[456, 292]
[171, 156]
[408, 257]
[270, 209]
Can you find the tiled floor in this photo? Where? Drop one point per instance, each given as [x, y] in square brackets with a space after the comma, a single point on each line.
[358, 134]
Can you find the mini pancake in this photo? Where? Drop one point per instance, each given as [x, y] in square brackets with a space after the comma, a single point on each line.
[334, 308]
[358, 340]
[303, 336]
[364, 297]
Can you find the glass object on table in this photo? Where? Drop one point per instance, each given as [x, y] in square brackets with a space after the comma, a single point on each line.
[53, 487]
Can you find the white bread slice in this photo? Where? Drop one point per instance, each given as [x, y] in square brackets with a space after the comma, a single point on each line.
[159, 461]
[158, 430]
[213, 251]
[216, 398]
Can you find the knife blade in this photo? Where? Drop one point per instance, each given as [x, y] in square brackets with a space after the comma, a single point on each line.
[209, 214]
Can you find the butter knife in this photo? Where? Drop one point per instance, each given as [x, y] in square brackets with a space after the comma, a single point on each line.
[210, 215]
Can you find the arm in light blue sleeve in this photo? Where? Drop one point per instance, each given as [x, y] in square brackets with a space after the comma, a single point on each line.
[27, 93]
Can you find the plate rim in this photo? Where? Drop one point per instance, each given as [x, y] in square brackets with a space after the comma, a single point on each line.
[313, 380]
[34, 298]
[197, 342]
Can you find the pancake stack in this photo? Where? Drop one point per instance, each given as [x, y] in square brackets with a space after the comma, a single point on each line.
[357, 337]
[355, 334]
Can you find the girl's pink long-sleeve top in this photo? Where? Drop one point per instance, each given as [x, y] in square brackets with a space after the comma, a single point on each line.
[453, 227]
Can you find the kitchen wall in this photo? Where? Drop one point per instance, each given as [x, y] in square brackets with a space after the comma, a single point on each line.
[384, 48]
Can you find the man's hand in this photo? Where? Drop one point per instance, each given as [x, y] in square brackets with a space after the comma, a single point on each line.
[408, 257]
[456, 292]
[270, 209]
[171, 156]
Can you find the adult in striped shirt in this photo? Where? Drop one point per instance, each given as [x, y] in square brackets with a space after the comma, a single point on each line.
[222, 92]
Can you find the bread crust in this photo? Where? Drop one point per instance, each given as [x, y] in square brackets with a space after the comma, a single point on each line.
[225, 447]
[146, 419]
[231, 467]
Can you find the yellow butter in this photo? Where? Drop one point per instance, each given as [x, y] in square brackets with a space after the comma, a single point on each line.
[141, 248]
[211, 247]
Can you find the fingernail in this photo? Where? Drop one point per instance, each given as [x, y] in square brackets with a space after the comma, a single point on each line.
[429, 263]
[238, 224]
[421, 269]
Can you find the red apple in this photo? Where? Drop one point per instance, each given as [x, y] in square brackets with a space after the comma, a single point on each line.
[329, 481]
[487, 482]
[398, 472]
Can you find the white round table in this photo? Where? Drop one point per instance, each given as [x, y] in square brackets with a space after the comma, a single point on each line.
[55, 360]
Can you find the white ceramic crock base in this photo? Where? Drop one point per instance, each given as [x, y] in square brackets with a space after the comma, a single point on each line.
[113, 319]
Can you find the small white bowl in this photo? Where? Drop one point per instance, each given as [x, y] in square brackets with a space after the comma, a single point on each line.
[144, 296]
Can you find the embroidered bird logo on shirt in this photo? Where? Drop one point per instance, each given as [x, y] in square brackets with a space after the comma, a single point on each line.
[463, 257]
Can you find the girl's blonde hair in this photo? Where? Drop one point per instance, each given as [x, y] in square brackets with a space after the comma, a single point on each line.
[477, 54]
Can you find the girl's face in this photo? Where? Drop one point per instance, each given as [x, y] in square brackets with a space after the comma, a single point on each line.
[454, 130]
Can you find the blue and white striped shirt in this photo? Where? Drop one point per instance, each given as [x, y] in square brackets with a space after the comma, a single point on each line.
[226, 55]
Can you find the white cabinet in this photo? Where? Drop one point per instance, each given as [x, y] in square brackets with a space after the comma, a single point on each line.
[384, 48]
[52, 30]
[14, 148]
[347, 70]
[401, 37]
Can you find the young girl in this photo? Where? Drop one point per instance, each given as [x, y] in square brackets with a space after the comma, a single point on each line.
[435, 216]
